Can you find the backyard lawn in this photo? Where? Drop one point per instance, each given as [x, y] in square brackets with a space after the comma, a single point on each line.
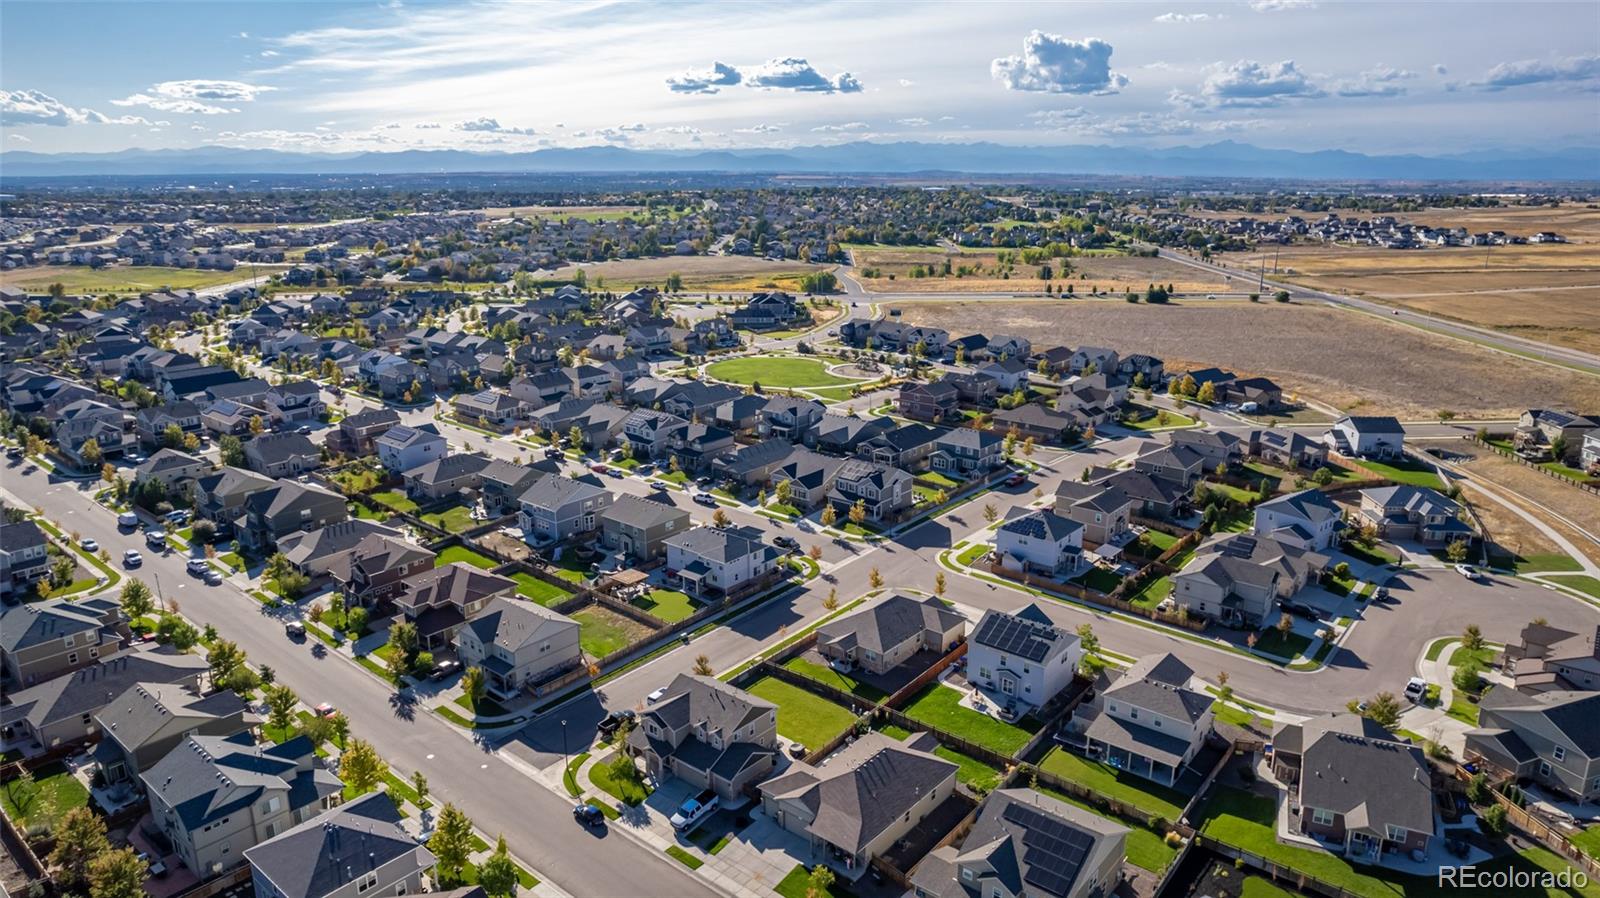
[569, 568]
[1145, 847]
[536, 590]
[825, 674]
[1588, 840]
[1099, 579]
[1114, 784]
[806, 718]
[938, 706]
[1151, 594]
[668, 604]
[602, 631]
[465, 555]
[55, 793]
[973, 773]
[394, 499]
[1405, 471]
[774, 371]
[456, 519]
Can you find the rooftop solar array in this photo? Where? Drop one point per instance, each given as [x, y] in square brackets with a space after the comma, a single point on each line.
[1013, 636]
[1053, 851]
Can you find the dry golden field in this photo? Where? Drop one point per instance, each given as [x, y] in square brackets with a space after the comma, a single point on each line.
[1579, 507]
[1546, 292]
[1114, 273]
[1349, 360]
[700, 273]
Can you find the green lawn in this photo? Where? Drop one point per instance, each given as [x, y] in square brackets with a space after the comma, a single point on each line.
[1462, 655]
[1546, 561]
[56, 792]
[1145, 847]
[80, 279]
[1099, 579]
[795, 885]
[1149, 797]
[536, 590]
[456, 519]
[774, 371]
[628, 791]
[824, 674]
[452, 554]
[833, 394]
[938, 480]
[1404, 471]
[974, 773]
[937, 706]
[396, 500]
[1462, 709]
[683, 857]
[1154, 420]
[569, 568]
[602, 632]
[1373, 555]
[1272, 642]
[366, 514]
[668, 604]
[972, 553]
[806, 718]
[1151, 594]
[1581, 582]
[1589, 841]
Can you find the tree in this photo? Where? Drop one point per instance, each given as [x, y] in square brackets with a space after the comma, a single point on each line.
[1224, 691]
[1384, 710]
[1558, 448]
[783, 491]
[575, 437]
[719, 518]
[829, 515]
[361, 768]
[1472, 638]
[80, 838]
[1028, 447]
[117, 874]
[419, 784]
[814, 553]
[858, 512]
[404, 643]
[1478, 789]
[938, 583]
[831, 603]
[497, 874]
[1281, 296]
[819, 882]
[340, 728]
[1469, 676]
[172, 436]
[1087, 640]
[136, 599]
[177, 632]
[702, 665]
[990, 513]
[223, 657]
[1456, 552]
[280, 708]
[108, 472]
[232, 451]
[1207, 393]
[451, 843]
[257, 425]
[1493, 820]
[473, 684]
[875, 578]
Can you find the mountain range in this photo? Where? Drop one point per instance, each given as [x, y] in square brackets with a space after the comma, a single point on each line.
[1222, 159]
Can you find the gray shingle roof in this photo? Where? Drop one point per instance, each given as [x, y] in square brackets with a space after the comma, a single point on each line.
[143, 709]
[1372, 782]
[34, 623]
[338, 846]
[1159, 683]
[889, 623]
[206, 778]
[512, 625]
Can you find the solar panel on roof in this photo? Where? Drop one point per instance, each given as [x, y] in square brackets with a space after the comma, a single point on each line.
[1016, 637]
[1053, 851]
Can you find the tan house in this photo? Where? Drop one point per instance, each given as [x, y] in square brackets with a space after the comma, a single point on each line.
[41, 640]
[886, 635]
[518, 645]
[709, 734]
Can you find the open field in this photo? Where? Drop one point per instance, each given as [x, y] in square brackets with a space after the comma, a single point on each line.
[1106, 272]
[772, 371]
[700, 274]
[1547, 292]
[587, 213]
[1576, 505]
[1346, 359]
[79, 279]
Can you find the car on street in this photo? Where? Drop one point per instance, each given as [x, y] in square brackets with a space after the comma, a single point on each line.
[156, 539]
[89, 545]
[705, 499]
[787, 542]
[1416, 689]
[196, 566]
[705, 480]
[132, 558]
[1381, 594]
[15, 452]
[656, 696]
[599, 469]
[213, 577]
[304, 430]
[614, 721]
[128, 520]
[1468, 571]
[294, 630]
[659, 486]
[444, 669]
[554, 453]
[588, 815]
[326, 710]
[1017, 479]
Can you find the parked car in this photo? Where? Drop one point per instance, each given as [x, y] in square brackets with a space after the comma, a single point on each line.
[1468, 571]
[554, 453]
[128, 519]
[444, 669]
[132, 558]
[599, 469]
[294, 630]
[213, 577]
[614, 721]
[1381, 594]
[787, 542]
[588, 815]
[304, 430]
[15, 452]
[197, 566]
[705, 499]
[178, 516]
[89, 545]
[694, 810]
[656, 696]
[156, 539]
[1415, 689]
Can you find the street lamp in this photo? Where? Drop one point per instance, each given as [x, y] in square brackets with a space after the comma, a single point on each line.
[564, 750]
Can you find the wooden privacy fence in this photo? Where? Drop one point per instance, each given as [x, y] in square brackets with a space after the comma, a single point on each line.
[1534, 826]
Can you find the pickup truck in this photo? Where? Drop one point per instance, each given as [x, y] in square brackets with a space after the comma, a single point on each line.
[694, 810]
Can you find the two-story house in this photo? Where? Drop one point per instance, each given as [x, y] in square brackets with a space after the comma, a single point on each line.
[890, 632]
[1548, 737]
[42, 640]
[1021, 659]
[884, 493]
[936, 401]
[24, 558]
[358, 432]
[810, 475]
[403, 448]
[295, 402]
[639, 527]
[965, 452]
[1040, 541]
[1239, 578]
[354, 850]
[1405, 512]
[715, 561]
[439, 601]
[220, 497]
[518, 645]
[284, 508]
[146, 721]
[1307, 519]
[377, 568]
[1365, 436]
[1147, 722]
[279, 455]
[648, 432]
[1102, 508]
[446, 476]
[709, 734]
[558, 507]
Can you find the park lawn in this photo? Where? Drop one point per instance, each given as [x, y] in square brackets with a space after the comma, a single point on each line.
[824, 674]
[57, 791]
[452, 554]
[601, 633]
[938, 706]
[808, 719]
[796, 884]
[1272, 642]
[538, 591]
[80, 279]
[668, 604]
[628, 791]
[1407, 472]
[1151, 798]
[833, 394]
[1151, 594]
[776, 371]
[1581, 582]
[456, 519]
[1146, 848]
[396, 500]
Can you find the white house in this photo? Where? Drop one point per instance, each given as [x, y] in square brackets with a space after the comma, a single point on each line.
[1040, 541]
[1147, 722]
[717, 560]
[1307, 519]
[403, 448]
[1021, 660]
[1366, 437]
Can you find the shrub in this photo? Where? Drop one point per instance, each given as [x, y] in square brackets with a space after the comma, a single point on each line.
[1493, 821]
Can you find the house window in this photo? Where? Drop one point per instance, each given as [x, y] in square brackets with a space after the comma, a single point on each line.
[72, 657]
[366, 882]
[1322, 816]
[1544, 768]
[1559, 753]
[1133, 713]
[1395, 833]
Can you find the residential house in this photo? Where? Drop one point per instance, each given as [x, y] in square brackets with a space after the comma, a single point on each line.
[907, 447]
[558, 508]
[489, 408]
[648, 432]
[214, 798]
[284, 508]
[753, 464]
[639, 527]
[1021, 659]
[1003, 347]
[518, 645]
[1103, 509]
[1239, 578]
[146, 721]
[24, 557]
[841, 434]
[1044, 425]
[1288, 448]
[972, 388]
[889, 632]
[445, 477]
[151, 423]
[175, 469]
[1152, 497]
[1026, 844]
[1356, 785]
[440, 600]
[1307, 519]
[60, 711]
[1011, 374]
[695, 446]
[810, 476]
[1405, 512]
[963, 452]
[1040, 541]
[357, 433]
[1589, 457]
[1089, 359]
[295, 402]
[789, 418]
[503, 483]
[376, 569]
[1177, 462]
[742, 414]
[884, 493]
[220, 497]
[712, 561]
[709, 734]
[1367, 437]
[405, 448]
[356, 849]
[42, 640]
[225, 417]
[935, 401]
[279, 455]
[1548, 658]
[1540, 430]
[1215, 447]
[869, 795]
[326, 551]
[1147, 722]
[1547, 737]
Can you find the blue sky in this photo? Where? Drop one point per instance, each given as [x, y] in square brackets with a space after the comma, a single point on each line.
[1378, 77]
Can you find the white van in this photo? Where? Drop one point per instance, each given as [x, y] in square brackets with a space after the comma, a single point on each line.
[127, 519]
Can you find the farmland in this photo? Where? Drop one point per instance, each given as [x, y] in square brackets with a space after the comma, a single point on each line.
[79, 279]
[700, 274]
[1346, 359]
[1109, 272]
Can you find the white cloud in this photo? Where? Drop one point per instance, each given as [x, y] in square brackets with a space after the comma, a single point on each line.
[762, 128]
[19, 138]
[1538, 71]
[32, 107]
[1248, 83]
[1380, 81]
[195, 96]
[678, 129]
[1281, 5]
[843, 126]
[633, 127]
[1059, 65]
[708, 81]
[486, 125]
[913, 122]
[268, 54]
[1183, 18]
[1144, 124]
[906, 82]
[794, 73]
[1059, 118]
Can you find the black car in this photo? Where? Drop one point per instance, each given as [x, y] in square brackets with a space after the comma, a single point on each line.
[614, 720]
[588, 815]
[786, 542]
[1299, 610]
[554, 453]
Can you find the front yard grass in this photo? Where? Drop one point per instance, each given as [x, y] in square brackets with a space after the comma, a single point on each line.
[971, 554]
[1581, 582]
[456, 519]
[806, 718]
[1374, 555]
[628, 791]
[796, 884]
[1117, 785]
[396, 500]
[535, 590]
[825, 674]
[668, 604]
[56, 791]
[1275, 643]
[602, 631]
[452, 554]
[939, 707]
